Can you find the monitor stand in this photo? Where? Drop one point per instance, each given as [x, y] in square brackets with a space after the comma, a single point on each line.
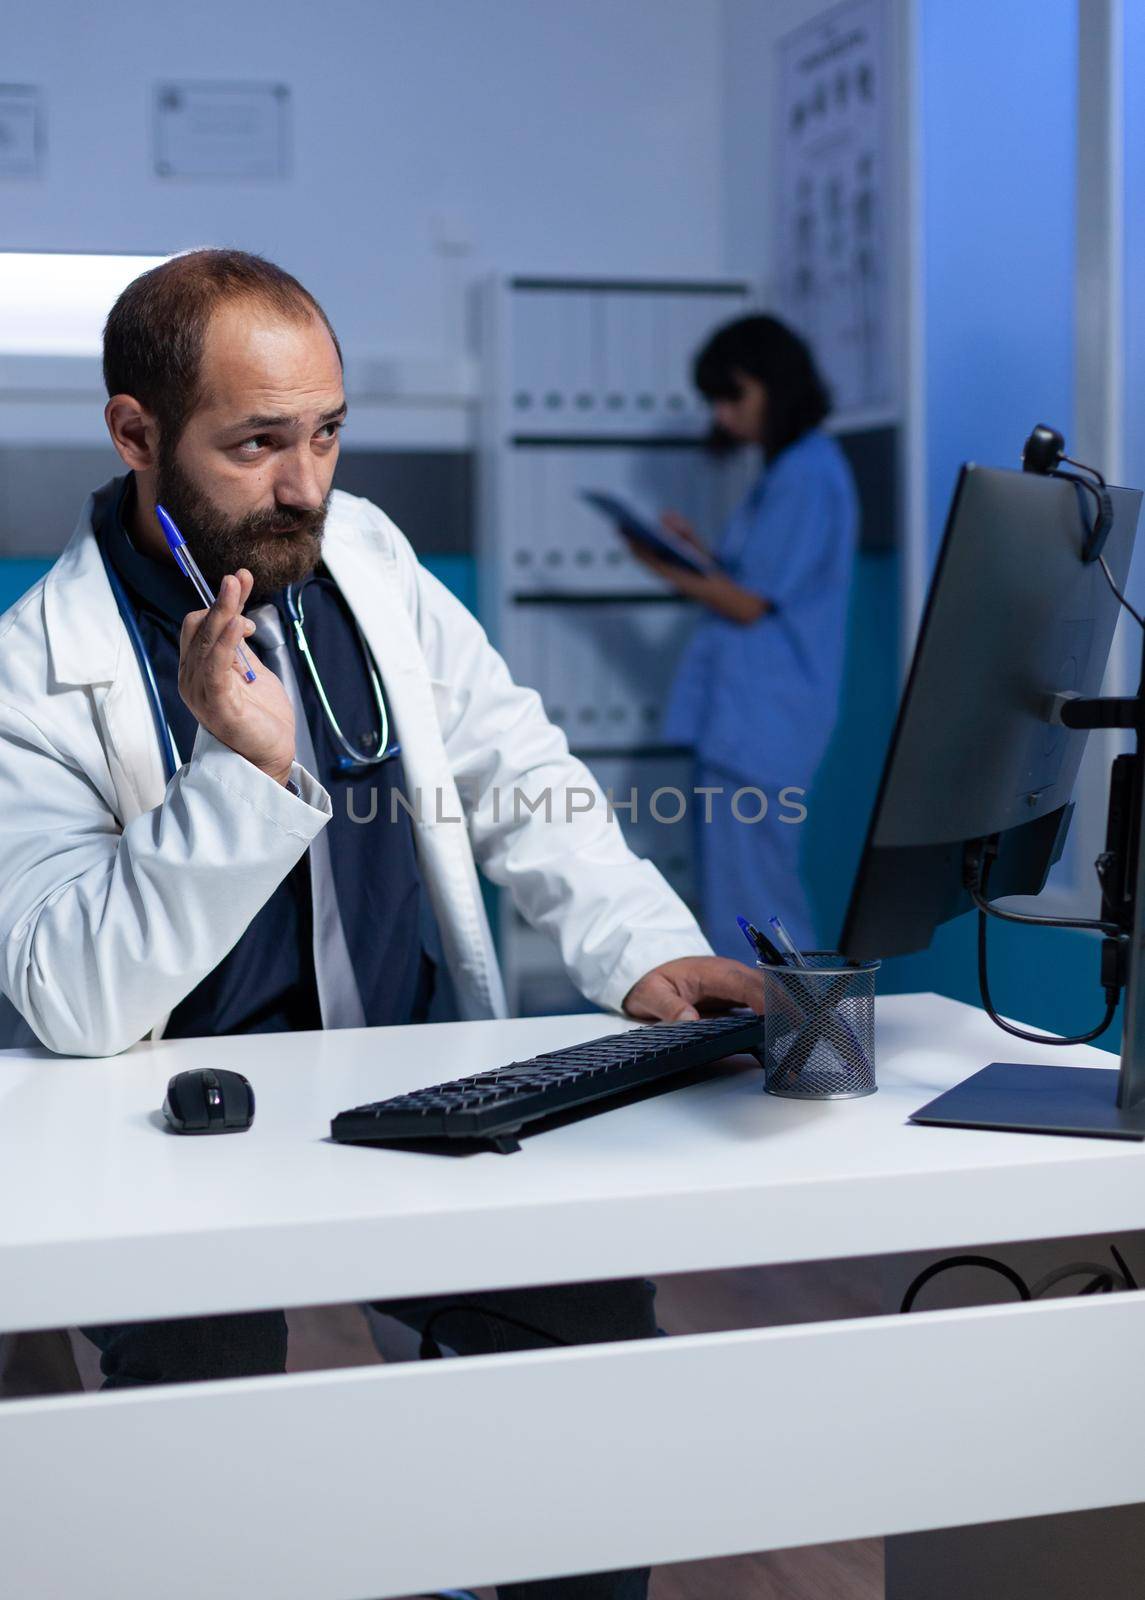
[1018, 1097]
[1090, 1102]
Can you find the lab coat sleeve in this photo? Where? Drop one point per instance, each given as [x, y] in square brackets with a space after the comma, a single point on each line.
[103, 930]
[566, 864]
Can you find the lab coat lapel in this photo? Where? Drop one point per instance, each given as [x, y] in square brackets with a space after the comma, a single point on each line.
[369, 582]
[89, 648]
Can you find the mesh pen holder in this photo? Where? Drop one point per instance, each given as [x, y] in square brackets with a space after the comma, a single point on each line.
[819, 1028]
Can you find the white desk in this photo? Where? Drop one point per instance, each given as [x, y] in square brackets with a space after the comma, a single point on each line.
[559, 1460]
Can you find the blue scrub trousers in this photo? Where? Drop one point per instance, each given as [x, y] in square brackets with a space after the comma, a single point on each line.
[748, 869]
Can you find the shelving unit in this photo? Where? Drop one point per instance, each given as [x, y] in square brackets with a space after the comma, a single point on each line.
[586, 384]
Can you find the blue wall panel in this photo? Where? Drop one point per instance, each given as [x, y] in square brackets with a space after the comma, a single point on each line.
[16, 577]
[458, 573]
[845, 787]
[999, 97]
[999, 104]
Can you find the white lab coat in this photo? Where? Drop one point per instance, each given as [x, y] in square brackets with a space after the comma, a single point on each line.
[119, 891]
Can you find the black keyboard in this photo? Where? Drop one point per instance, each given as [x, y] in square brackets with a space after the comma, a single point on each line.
[491, 1107]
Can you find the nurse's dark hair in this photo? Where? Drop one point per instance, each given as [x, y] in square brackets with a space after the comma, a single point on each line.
[154, 335]
[765, 349]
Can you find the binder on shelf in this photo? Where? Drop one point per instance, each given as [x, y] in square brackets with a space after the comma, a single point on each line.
[593, 669]
[678, 323]
[524, 533]
[536, 399]
[574, 322]
[589, 537]
[649, 366]
[617, 359]
[614, 689]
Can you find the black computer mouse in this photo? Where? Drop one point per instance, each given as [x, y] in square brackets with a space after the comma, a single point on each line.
[209, 1100]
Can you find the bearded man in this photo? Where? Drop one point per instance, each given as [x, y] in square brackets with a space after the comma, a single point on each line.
[186, 853]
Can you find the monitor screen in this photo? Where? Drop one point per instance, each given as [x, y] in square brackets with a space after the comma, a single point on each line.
[1014, 618]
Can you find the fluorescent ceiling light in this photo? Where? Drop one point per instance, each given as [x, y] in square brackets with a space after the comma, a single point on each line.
[57, 304]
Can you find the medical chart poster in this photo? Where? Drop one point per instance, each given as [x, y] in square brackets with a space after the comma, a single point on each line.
[832, 192]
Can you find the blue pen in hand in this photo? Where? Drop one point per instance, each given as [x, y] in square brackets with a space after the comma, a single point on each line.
[189, 567]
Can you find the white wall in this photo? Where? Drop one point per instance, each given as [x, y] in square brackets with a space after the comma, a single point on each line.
[560, 135]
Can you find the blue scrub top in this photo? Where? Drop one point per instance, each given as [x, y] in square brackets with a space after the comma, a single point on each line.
[759, 702]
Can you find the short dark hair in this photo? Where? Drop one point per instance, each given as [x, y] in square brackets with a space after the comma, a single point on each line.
[154, 335]
[767, 350]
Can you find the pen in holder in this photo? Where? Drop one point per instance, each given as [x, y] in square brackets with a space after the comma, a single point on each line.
[819, 1028]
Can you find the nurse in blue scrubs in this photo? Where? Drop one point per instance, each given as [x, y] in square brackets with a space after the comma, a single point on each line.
[756, 694]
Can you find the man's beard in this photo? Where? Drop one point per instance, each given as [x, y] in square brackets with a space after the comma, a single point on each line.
[280, 546]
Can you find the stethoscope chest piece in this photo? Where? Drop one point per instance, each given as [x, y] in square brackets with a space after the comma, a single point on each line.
[350, 759]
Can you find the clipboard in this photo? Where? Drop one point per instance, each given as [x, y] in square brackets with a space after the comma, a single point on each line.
[632, 525]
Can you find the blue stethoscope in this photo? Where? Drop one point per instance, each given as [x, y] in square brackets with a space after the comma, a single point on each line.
[350, 759]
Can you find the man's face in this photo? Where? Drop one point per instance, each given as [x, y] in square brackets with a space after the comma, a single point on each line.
[248, 480]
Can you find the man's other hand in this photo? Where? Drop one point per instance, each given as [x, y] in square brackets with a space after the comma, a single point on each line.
[255, 719]
[680, 990]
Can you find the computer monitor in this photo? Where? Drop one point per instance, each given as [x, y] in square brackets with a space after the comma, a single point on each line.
[1015, 620]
